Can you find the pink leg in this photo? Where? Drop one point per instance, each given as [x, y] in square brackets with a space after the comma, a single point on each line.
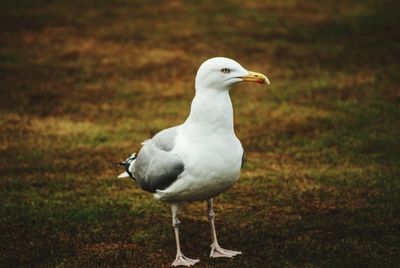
[216, 250]
[180, 258]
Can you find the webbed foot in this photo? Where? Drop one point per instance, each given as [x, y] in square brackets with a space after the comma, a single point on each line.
[218, 252]
[181, 260]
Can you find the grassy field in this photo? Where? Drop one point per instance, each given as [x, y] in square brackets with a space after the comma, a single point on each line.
[84, 82]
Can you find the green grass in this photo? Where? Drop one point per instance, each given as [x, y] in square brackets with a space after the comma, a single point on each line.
[82, 84]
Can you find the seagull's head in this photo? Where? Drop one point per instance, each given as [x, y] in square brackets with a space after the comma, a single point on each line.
[222, 73]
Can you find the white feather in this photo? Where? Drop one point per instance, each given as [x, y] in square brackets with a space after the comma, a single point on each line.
[123, 175]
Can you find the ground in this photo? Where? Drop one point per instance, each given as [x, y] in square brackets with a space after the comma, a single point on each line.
[83, 83]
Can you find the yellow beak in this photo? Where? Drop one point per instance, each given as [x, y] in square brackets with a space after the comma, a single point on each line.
[255, 77]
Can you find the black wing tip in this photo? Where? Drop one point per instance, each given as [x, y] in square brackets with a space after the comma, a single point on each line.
[127, 163]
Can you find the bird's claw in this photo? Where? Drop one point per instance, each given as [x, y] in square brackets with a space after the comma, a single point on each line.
[218, 252]
[181, 260]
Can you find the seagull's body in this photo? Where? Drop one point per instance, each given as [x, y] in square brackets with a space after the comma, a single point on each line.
[209, 149]
[201, 158]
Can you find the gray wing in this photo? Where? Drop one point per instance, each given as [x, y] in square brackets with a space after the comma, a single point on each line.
[165, 139]
[156, 167]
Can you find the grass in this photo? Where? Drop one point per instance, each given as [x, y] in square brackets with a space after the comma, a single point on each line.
[82, 84]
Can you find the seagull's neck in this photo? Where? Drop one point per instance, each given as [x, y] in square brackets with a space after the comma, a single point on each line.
[211, 112]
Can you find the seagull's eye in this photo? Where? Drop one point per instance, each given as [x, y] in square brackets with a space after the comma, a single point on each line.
[225, 70]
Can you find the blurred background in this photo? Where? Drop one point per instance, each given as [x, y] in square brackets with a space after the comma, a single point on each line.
[84, 82]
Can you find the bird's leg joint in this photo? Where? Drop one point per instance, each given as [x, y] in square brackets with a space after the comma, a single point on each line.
[176, 222]
[211, 214]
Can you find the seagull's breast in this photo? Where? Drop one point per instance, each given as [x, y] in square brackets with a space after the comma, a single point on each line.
[212, 165]
[217, 155]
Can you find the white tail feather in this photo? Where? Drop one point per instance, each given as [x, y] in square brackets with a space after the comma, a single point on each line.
[123, 175]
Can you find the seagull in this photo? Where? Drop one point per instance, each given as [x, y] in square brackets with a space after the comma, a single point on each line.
[201, 158]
